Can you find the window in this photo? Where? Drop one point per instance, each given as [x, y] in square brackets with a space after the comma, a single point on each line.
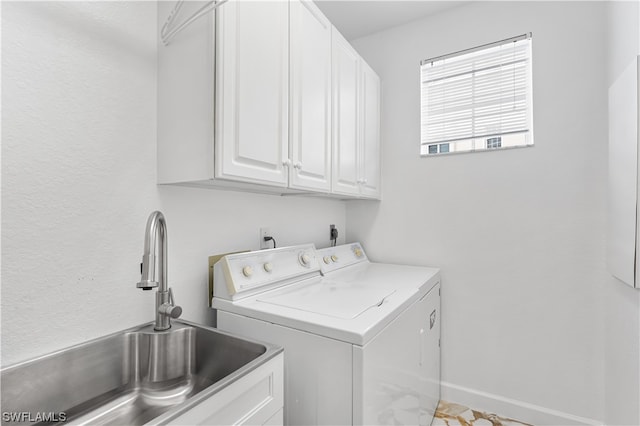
[438, 148]
[478, 99]
[494, 143]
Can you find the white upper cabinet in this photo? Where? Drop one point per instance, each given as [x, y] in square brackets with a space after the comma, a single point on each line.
[252, 84]
[310, 106]
[370, 134]
[346, 128]
[356, 123]
[267, 96]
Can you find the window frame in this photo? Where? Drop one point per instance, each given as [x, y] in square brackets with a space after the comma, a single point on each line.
[521, 138]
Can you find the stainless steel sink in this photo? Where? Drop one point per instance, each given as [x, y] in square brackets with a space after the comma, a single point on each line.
[137, 376]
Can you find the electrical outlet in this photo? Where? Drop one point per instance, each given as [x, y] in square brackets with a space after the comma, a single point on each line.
[333, 233]
[265, 232]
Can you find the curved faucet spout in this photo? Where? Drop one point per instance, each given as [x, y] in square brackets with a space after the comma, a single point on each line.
[154, 270]
[156, 228]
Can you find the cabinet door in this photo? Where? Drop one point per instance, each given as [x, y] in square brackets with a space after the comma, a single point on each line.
[252, 86]
[622, 256]
[254, 399]
[345, 70]
[370, 133]
[310, 107]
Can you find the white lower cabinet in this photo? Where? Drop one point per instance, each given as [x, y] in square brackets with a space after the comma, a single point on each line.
[255, 399]
[246, 100]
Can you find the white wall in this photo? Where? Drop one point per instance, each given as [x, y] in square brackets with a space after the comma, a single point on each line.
[519, 234]
[622, 344]
[78, 181]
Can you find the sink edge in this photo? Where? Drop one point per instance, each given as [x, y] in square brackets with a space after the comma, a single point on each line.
[271, 351]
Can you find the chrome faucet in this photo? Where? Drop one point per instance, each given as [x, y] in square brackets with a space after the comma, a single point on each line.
[155, 239]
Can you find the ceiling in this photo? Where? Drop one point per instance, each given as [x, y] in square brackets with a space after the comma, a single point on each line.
[358, 18]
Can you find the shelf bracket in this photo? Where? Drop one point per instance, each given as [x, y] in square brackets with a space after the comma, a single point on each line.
[167, 33]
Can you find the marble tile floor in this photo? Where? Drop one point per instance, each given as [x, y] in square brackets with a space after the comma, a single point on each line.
[451, 414]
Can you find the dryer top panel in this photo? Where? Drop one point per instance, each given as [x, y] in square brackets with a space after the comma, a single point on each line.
[335, 258]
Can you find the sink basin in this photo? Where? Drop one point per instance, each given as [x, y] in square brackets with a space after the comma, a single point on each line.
[133, 377]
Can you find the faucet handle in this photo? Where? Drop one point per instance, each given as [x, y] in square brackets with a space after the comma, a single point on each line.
[170, 309]
[171, 299]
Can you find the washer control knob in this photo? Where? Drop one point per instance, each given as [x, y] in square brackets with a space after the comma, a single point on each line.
[326, 260]
[358, 252]
[305, 259]
[247, 271]
[268, 267]
[334, 257]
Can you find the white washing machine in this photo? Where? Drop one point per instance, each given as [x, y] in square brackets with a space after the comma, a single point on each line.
[361, 343]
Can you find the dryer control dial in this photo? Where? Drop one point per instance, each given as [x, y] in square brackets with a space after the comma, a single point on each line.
[304, 259]
[268, 267]
[247, 271]
[334, 258]
[326, 260]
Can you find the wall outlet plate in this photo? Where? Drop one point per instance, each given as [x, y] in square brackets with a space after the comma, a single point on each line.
[265, 232]
[332, 230]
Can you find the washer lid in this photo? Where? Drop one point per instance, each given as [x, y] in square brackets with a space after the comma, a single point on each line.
[330, 298]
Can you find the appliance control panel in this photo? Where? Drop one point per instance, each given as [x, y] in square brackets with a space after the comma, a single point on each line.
[243, 274]
[334, 258]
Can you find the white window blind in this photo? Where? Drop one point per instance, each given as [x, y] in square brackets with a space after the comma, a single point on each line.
[467, 99]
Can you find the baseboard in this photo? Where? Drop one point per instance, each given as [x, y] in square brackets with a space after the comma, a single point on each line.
[511, 408]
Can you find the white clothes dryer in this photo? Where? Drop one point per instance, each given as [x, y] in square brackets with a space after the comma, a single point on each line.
[360, 343]
[349, 263]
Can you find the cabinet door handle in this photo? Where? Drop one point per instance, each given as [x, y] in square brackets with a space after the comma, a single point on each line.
[286, 163]
[297, 165]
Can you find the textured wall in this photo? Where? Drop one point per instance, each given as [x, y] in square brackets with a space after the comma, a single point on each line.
[78, 181]
[519, 234]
